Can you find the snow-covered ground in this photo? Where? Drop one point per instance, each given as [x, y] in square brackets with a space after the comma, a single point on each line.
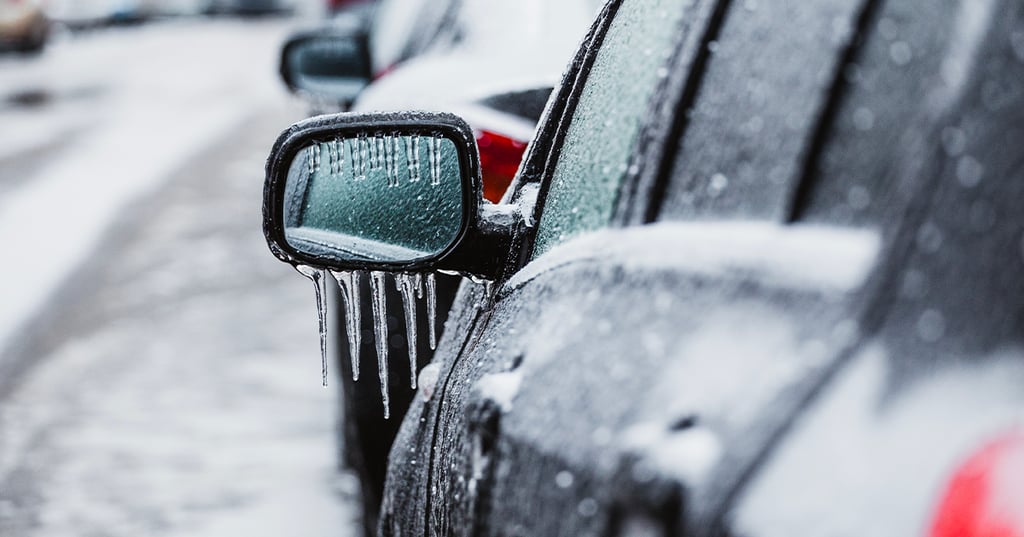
[159, 372]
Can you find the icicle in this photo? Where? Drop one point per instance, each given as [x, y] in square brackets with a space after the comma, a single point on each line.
[412, 157]
[374, 154]
[380, 330]
[404, 284]
[432, 309]
[317, 277]
[392, 159]
[310, 151]
[380, 152]
[417, 280]
[389, 161]
[362, 157]
[337, 153]
[434, 152]
[348, 282]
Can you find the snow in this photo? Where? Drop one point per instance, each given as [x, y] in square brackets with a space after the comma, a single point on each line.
[55, 220]
[687, 455]
[428, 380]
[500, 388]
[798, 256]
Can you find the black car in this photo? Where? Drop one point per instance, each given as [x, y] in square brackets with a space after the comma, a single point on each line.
[759, 274]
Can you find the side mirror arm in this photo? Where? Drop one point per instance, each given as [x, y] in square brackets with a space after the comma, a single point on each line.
[484, 250]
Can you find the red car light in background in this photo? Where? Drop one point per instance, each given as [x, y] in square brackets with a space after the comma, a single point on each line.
[985, 497]
[335, 5]
[499, 161]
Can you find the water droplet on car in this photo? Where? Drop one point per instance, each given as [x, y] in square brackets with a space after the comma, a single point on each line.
[929, 238]
[564, 479]
[587, 507]
[863, 119]
[969, 171]
[1017, 42]
[931, 326]
[317, 277]
[900, 53]
[858, 197]
[717, 184]
[915, 285]
[953, 141]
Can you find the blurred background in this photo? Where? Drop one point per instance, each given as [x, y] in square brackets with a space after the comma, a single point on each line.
[159, 369]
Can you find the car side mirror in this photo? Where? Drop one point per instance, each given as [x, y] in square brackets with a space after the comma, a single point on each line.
[386, 192]
[327, 65]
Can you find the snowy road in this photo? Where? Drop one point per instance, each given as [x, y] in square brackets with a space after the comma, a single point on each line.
[159, 371]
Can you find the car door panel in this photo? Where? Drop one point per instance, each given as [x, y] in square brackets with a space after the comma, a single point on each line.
[556, 409]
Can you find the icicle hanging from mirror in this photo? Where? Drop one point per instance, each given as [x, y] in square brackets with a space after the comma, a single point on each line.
[317, 277]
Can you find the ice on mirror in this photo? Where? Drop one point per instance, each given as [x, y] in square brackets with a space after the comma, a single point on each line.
[317, 277]
[412, 157]
[412, 287]
[432, 310]
[348, 283]
[379, 305]
[395, 218]
[406, 287]
[434, 154]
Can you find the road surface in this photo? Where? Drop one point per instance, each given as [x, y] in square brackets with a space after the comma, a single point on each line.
[159, 370]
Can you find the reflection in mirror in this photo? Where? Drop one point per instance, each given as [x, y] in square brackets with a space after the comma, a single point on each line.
[385, 198]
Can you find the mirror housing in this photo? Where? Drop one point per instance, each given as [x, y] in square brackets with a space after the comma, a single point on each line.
[479, 245]
[328, 65]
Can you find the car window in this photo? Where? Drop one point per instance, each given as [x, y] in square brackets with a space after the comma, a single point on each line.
[595, 154]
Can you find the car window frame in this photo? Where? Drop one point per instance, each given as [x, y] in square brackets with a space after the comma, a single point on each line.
[652, 140]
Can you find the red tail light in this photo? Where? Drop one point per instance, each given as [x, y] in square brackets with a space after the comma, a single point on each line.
[985, 497]
[499, 161]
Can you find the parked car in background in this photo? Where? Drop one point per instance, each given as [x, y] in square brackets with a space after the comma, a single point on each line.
[758, 274]
[336, 6]
[249, 7]
[23, 26]
[87, 13]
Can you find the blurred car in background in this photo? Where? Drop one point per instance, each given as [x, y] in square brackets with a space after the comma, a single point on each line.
[335, 6]
[23, 26]
[494, 63]
[249, 7]
[88, 13]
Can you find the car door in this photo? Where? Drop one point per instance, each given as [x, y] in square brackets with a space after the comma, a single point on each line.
[568, 378]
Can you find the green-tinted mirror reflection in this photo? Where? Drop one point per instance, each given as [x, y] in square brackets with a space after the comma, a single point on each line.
[386, 198]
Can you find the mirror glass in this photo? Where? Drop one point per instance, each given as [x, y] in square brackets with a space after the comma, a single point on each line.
[332, 67]
[384, 198]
